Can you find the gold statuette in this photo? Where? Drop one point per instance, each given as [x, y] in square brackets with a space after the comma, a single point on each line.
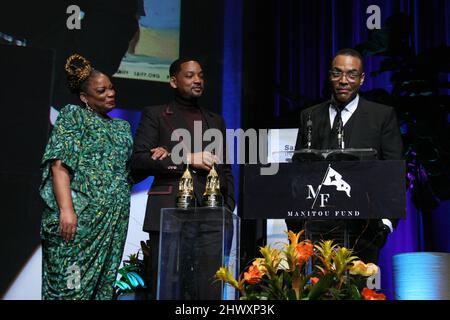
[212, 196]
[185, 193]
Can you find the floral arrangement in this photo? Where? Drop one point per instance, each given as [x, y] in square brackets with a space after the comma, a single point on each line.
[282, 274]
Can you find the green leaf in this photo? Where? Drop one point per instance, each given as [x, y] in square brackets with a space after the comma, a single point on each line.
[354, 293]
[321, 287]
[123, 285]
[131, 278]
[291, 295]
[135, 279]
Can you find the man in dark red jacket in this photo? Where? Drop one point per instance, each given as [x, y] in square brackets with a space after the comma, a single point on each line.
[153, 143]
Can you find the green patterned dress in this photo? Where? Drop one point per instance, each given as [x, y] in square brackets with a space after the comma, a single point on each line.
[96, 151]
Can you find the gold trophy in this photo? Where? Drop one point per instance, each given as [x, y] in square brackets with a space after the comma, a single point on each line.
[212, 197]
[185, 193]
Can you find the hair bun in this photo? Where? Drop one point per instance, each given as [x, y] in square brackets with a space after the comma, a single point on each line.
[78, 69]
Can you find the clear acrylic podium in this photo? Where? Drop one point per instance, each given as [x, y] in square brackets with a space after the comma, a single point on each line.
[194, 244]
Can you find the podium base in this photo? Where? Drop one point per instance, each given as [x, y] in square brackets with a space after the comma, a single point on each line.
[194, 244]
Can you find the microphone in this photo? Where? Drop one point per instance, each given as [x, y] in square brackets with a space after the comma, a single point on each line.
[309, 124]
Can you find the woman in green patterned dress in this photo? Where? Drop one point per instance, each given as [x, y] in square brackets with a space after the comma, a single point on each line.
[86, 188]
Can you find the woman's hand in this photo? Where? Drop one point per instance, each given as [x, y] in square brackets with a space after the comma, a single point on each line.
[68, 225]
[61, 189]
[159, 153]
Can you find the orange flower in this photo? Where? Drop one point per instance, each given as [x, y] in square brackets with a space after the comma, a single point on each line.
[314, 280]
[253, 276]
[372, 295]
[304, 251]
[294, 237]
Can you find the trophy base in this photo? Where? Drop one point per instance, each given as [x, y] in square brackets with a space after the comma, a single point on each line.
[213, 201]
[185, 201]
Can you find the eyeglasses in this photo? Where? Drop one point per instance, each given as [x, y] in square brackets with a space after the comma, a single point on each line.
[350, 75]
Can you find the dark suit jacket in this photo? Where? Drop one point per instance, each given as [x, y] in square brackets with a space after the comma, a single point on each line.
[372, 125]
[155, 130]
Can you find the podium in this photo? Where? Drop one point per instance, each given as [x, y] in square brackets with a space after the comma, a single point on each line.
[194, 244]
[349, 154]
[317, 189]
[371, 189]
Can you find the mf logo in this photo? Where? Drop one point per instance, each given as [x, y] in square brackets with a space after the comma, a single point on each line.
[331, 178]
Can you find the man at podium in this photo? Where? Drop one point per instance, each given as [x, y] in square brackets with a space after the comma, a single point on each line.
[349, 121]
